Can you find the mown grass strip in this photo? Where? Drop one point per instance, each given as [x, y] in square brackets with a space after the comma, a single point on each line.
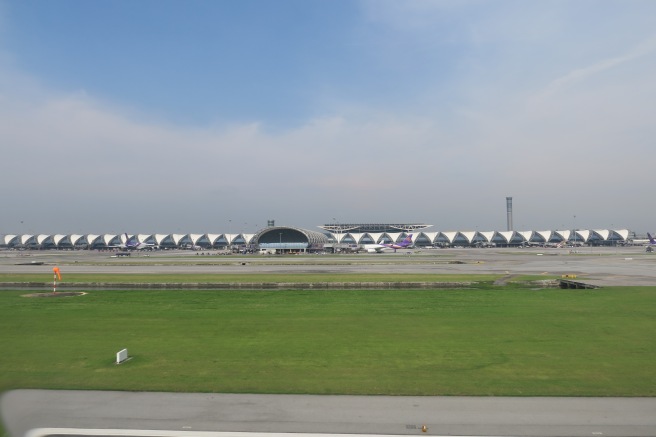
[489, 341]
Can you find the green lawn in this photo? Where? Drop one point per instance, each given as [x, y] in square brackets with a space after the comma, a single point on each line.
[487, 341]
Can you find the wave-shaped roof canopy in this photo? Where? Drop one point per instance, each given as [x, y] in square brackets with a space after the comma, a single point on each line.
[282, 234]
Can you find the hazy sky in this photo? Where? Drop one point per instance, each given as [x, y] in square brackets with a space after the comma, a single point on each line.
[161, 116]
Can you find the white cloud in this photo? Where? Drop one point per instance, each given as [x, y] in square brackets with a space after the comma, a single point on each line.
[578, 148]
[646, 47]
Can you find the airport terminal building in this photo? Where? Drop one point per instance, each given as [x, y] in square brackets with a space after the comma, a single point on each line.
[333, 237]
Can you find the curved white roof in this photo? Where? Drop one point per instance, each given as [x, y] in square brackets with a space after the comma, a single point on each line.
[469, 236]
[75, 238]
[57, 238]
[230, 237]
[526, 235]
[375, 236]
[394, 236]
[141, 238]
[564, 234]
[506, 235]
[41, 238]
[195, 237]
[213, 237]
[431, 235]
[545, 234]
[623, 233]
[584, 234]
[159, 238]
[177, 238]
[450, 236]
[487, 235]
[64, 240]
[107, 238]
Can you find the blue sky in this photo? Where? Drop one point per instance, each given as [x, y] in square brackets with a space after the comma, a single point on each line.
[189, 116]
[191, 62]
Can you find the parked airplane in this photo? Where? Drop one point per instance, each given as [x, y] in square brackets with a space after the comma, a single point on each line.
[379, 248]
[651, 244]
[131, 243]
[554, 245]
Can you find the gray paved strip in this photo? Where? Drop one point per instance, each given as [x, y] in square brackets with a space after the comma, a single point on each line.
[25, 410]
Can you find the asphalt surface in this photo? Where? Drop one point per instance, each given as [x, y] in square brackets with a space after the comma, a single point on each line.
[180, 414]
[40, 413]
[628, 266]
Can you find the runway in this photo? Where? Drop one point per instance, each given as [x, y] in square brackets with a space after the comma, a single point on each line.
[602, 266]
[223, 415]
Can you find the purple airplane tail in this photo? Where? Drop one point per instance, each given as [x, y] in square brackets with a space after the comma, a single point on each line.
[651, 239]
[407, 241]
[130, 241]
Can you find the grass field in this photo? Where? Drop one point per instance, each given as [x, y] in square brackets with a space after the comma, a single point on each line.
[486, 341]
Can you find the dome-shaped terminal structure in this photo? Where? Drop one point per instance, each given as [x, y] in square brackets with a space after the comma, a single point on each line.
[282, 239]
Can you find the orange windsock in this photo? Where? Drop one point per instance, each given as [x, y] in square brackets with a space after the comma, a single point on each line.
[56, 270]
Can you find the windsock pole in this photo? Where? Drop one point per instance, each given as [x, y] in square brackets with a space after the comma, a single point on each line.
[56, 274]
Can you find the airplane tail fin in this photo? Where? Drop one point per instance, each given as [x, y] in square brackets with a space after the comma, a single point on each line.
[651, 239]
[130, 241]
[407, 241]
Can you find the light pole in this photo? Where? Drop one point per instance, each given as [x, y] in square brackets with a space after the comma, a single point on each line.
[229, 231]
[337, 235]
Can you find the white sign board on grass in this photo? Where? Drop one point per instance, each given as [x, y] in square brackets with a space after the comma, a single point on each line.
[121, 356]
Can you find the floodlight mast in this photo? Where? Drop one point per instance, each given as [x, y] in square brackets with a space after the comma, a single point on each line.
[337, 243]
